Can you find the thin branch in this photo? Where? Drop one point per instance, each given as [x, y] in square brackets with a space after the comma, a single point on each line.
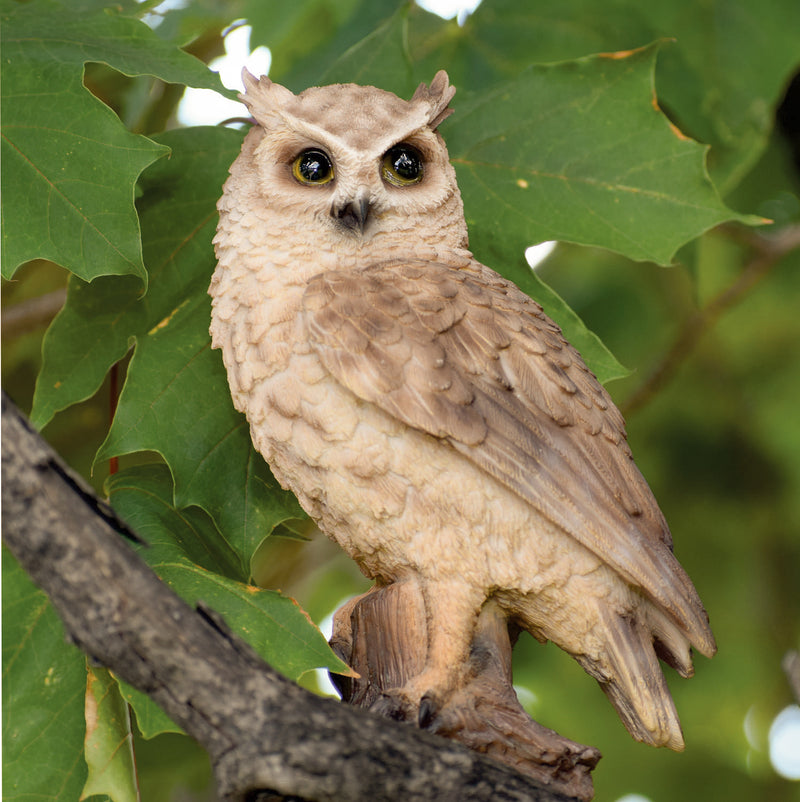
[769, 251]
[28, 315]
[791, 666]
[267, 737]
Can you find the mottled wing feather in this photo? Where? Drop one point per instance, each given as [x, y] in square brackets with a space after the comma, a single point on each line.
[398, 364]
[464, 355]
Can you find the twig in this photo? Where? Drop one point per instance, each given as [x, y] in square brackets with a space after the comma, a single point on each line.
[769, 251]
[267, 738]
[791, 665]
[28, 315]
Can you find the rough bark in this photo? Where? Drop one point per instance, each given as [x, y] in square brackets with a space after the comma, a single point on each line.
[268, 739]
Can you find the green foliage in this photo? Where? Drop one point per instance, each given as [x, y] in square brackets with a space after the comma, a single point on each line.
[69, 167]
[720, 78]
[630, 180]
[109, 741]
[186, 551]
[558, 134]
[44, 681]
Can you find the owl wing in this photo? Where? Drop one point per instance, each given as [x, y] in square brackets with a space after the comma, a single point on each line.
[464, 355]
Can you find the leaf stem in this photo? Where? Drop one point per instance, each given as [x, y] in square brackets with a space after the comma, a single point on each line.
[31, 314]
[113, 400]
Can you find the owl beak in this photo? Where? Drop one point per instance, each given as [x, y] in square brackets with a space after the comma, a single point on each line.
[352, 213]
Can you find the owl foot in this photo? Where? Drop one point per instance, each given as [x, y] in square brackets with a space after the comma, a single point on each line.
[428, 709]
[421, 699]
[397, 705]
[393, 704]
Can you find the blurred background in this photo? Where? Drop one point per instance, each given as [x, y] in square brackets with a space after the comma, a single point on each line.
[713, 409]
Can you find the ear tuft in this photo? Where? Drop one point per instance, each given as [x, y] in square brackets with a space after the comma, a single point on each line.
[263, 97]
[437, 96]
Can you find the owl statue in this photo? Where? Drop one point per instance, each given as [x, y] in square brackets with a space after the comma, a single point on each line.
[426, 413]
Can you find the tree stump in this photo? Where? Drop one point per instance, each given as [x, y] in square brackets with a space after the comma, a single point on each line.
[383, 636]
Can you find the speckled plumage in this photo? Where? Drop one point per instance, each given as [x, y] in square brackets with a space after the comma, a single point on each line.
[427, 414]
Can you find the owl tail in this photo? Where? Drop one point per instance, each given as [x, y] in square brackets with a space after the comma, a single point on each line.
[630, 675]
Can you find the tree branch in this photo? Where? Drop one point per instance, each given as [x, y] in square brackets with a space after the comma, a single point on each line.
[31, 314]
[768, 252]
[791, 666]
[268, 738]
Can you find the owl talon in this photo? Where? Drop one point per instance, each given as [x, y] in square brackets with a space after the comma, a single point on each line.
[428, 710]
[391, 704]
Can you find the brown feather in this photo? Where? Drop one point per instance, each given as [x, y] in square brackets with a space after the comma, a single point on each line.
[480, 365]
[631, 678]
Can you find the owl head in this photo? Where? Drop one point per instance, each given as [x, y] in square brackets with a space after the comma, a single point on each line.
[355, 162]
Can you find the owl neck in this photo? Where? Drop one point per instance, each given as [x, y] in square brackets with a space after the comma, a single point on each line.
[358, 252]
[292, 259]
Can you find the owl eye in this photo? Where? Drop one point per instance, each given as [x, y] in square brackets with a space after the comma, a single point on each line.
[313, 167]
[402, 166]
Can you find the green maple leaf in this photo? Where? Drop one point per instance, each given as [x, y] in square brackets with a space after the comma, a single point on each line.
[44, 681]
[580, 152]
[523, 180]
[108, 745]
[69, 164]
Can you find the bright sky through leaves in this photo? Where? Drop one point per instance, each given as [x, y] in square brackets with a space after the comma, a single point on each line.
[204, 107]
